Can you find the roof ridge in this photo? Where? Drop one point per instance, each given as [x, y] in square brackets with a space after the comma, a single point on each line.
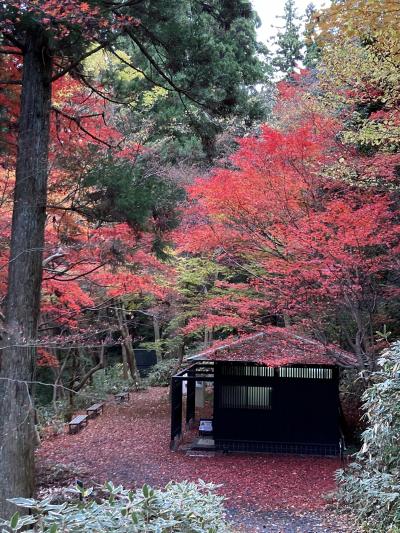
[328, 353]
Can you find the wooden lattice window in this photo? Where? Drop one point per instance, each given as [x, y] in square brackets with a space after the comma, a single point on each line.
[305, 373]
[245, 397]
[258, 371]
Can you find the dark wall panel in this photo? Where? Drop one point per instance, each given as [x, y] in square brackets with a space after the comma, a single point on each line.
[291, 409]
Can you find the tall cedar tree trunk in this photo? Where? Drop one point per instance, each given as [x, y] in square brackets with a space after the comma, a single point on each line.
[25, 277]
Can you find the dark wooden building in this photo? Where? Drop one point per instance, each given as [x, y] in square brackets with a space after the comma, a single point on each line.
[145, 360]
[274, 391]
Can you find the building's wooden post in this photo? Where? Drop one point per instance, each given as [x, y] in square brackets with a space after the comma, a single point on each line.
[190, 398]
[176, 412]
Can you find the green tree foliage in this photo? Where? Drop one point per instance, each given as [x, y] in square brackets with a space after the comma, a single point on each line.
[117, 191]
[312, 52]
[364, 82]
[371, 485]
[360, 81]
[354, 18]
[213, 301]
[288, 41]
[195, 284]
[210, 51]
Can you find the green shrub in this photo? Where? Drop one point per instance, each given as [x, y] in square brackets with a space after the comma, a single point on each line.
[104, 382]
[51, 416]
[181, 507]
[160, 374]
[371, 485]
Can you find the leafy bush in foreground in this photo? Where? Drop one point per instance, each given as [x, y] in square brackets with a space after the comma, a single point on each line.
[181, 507]
[371, 485]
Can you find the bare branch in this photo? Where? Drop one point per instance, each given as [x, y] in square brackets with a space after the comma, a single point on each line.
[160, 71]
[11, 52]
[56, 255]
[73, 278]
[90, 373]
[10, 82]
[129, 64]
[77, 121]
[76, 63]
[102, 94]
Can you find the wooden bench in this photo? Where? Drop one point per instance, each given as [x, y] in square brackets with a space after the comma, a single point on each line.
[122, 396]
[95, 410]
[78, 423]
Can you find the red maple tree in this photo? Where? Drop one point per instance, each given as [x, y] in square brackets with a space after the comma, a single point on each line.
[317, 248]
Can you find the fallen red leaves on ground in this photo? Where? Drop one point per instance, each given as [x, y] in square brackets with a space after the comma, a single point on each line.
[129, 444]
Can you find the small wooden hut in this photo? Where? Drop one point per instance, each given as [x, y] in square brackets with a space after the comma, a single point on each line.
[274, 391]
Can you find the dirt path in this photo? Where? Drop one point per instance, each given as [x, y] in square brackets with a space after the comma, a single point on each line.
[129, 444]
[319, 521]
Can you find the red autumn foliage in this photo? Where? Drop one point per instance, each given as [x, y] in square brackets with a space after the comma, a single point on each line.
[312, 244]
[45, 358]
[235, 311]
[86, 264]
[61, 17]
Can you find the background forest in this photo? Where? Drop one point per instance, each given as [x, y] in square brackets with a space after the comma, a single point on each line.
[166, 181]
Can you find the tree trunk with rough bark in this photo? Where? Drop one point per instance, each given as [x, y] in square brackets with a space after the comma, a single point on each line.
[86, 377]
[25, 276]
[208, 337]
[58, 389]
[157, 337]
[127, 344]
[125, 374]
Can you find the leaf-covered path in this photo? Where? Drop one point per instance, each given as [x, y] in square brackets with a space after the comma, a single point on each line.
[129, 444]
